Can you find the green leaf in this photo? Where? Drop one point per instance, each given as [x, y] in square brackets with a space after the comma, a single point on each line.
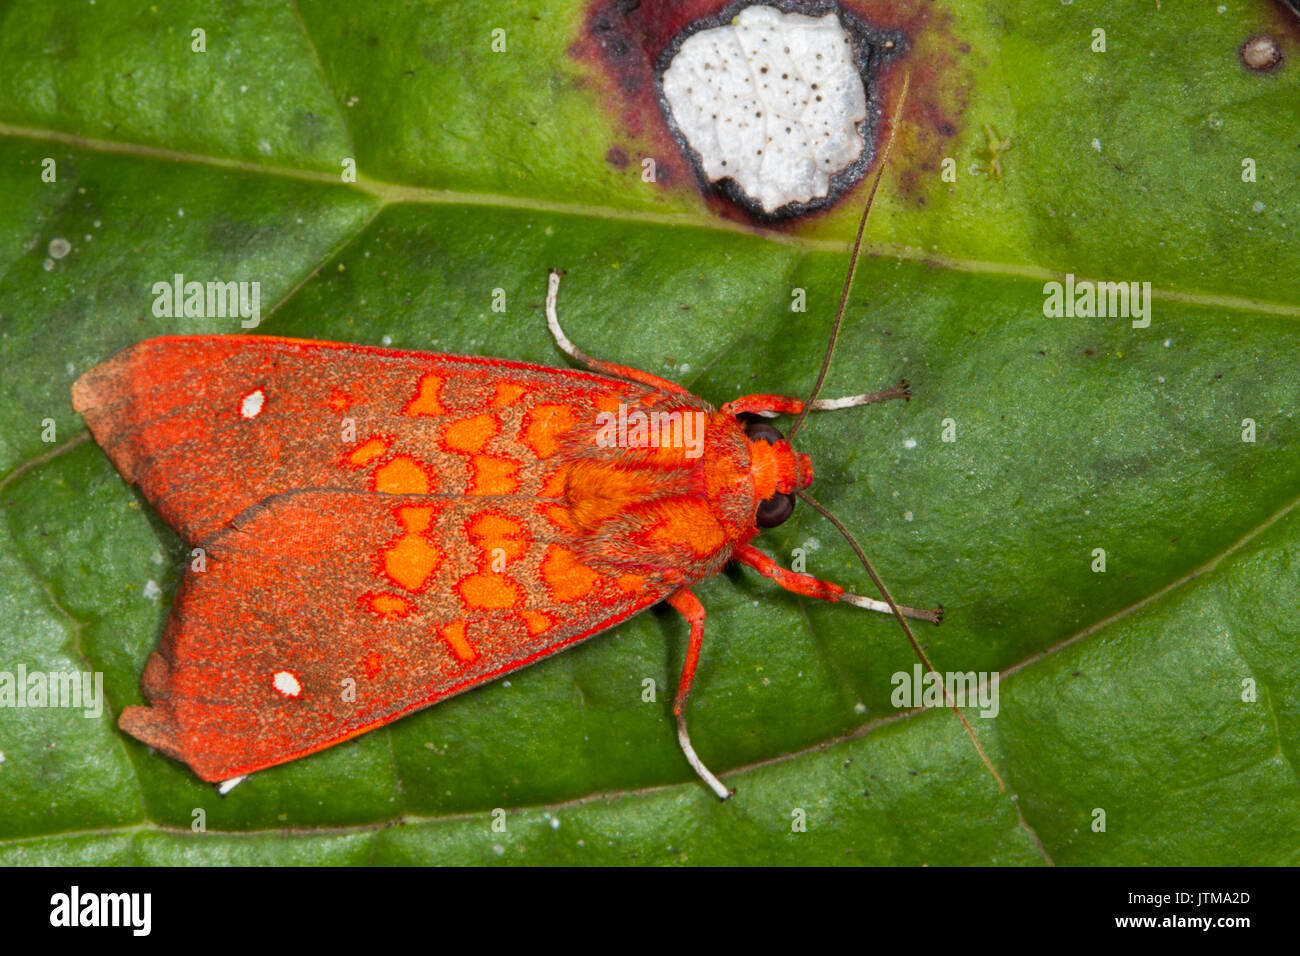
[1164, 691]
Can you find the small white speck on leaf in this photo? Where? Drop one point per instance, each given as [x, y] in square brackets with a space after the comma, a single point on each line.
[151, 590]
[59, 247]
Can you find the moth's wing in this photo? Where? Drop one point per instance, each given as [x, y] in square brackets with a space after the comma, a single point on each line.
[208, 426]
[323, 614]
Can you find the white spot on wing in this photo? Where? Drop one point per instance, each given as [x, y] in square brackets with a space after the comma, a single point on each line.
[252, 404]
[772, 100]
[286, 683]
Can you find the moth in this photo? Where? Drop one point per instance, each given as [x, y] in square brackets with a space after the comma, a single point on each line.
[479, 515]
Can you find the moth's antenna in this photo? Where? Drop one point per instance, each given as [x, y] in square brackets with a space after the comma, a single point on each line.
[853, 261]
[916, 646]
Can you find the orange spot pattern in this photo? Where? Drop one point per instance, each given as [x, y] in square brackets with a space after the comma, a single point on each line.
[454, 635]
[508, 393]
[536, 622]
[469, 435]
[630, 583]
[387, 605]
[493, 475]
[490, 531]
[427, 399]
[403, 475]
[487, 591]
[544, 425]
[567, 578]
[339, 400]
[368, 451]
[412, 559]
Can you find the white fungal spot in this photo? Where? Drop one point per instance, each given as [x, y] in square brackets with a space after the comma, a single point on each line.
[1096, 144]
[252, 404]
[286, 683]
[59, 247]
[151, 590]
[772, 100]
[907, 516]
[909, 443]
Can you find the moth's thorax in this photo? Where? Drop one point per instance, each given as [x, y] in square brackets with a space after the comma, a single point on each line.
[641, 503]
[777, 468]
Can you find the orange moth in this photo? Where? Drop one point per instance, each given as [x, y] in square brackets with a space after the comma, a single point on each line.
[484, 515]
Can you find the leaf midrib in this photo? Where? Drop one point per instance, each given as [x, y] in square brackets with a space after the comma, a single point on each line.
[390, 194]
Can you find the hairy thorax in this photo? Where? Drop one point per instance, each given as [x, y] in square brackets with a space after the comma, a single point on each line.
[668, 497]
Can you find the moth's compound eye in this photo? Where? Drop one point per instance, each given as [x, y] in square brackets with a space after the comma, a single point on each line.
[775, 510]
[758, 430]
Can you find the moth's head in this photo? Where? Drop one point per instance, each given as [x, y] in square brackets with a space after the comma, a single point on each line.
[777, 470]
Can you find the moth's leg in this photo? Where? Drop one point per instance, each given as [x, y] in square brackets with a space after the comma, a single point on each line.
[595, 364]
[691, 609]
[810, 586]
[769, 406]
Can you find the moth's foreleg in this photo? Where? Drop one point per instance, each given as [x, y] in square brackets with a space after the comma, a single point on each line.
[810, 586]
[595, 364]
[691, 609]
[769, 406]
